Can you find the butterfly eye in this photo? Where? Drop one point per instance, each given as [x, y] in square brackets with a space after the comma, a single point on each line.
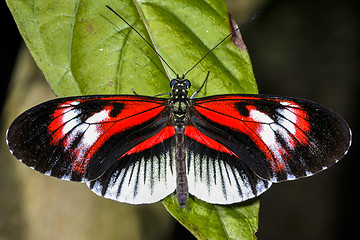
[187, 83]
[173, 83]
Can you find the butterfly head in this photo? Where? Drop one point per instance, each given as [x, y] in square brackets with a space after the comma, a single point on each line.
[180, 86]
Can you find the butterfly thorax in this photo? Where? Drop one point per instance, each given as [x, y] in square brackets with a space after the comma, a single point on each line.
[179, 100]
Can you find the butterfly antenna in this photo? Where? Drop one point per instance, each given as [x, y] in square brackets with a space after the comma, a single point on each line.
[242, 25]
[143, 39]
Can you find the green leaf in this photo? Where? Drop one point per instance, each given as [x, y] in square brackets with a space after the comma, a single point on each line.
[209, 221]
[83, 48]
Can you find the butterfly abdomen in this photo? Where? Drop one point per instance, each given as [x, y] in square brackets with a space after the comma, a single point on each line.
[182, 192]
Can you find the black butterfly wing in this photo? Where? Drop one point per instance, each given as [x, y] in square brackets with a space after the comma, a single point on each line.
[248, 141]
[91, 138]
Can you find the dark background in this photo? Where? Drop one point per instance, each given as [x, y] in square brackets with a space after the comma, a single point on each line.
[307, 49]
[10, 43]
[310, 49]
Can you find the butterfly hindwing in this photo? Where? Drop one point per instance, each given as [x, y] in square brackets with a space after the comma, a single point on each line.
[278, 138]
[80, 138]
[143, 175]
[216, 175]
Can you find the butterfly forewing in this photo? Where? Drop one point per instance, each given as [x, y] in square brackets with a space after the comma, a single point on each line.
[278, 138]
[79, 138]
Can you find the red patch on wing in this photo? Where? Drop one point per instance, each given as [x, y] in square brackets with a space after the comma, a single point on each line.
[165, 133]
[225, 113]
[195, 134]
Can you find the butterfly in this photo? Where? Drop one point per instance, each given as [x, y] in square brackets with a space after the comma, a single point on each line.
[136, 149]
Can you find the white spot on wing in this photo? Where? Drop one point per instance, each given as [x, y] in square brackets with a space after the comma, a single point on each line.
[288, 104]
[98, 117]
[69, 115]
[287, 120]
[70, 120]
[91, 134]
[260, 117]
